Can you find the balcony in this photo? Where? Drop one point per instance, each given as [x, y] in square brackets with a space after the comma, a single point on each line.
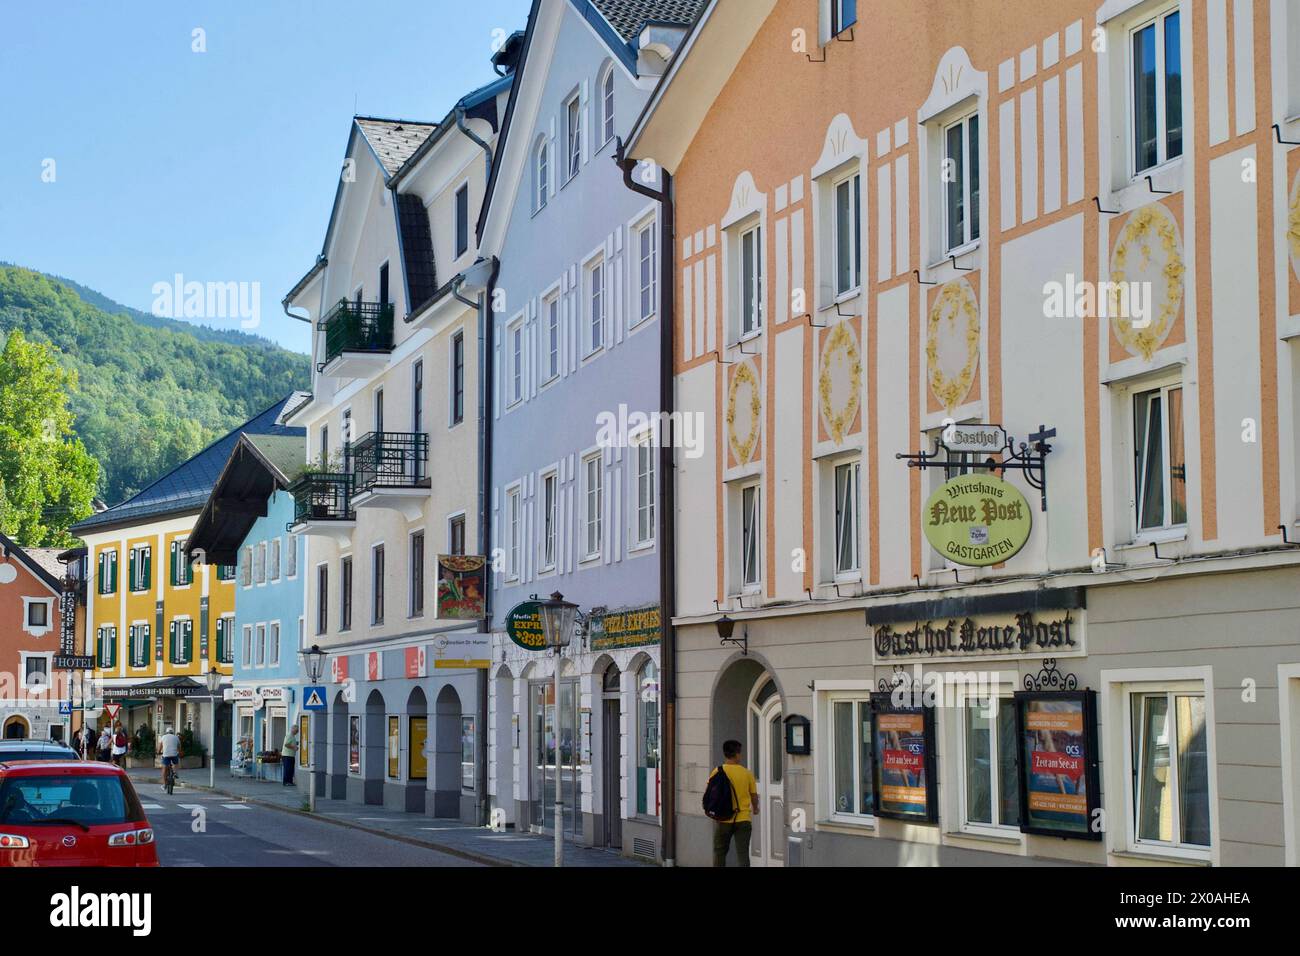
[391, 470]
[322, 505]
[358, 339]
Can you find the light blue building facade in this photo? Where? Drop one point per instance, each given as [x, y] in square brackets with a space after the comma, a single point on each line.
[244, 523]
[573, 494]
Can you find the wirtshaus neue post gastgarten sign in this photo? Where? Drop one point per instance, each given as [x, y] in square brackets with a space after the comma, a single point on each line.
[977, 520]
[1043, 623]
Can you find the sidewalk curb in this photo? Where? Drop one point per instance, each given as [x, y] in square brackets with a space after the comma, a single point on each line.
[485, 859]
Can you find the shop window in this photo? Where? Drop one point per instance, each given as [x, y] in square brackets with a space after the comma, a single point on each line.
[1156, 91]
[991, 786]
[1160, 469]
[647, 721]
[594, 503]
[1168, 756]
[961, 179]
[852, 771]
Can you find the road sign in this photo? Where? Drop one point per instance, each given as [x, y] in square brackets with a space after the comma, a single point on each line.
[65, 708]
[113, 710]
[313, 698]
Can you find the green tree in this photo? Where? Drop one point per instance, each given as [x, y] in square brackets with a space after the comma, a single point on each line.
[48, 477]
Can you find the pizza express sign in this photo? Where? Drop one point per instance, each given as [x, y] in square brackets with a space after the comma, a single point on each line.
[977, 520]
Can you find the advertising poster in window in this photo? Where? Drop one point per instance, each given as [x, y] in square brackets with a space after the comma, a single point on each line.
[419, 734]
[467, 753]
[304, 740]
[394, 747]
[904, 743]
[354, 745]
[1058, 763]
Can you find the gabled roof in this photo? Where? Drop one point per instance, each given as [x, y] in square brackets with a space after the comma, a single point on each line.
[186, 487]
[392, 140]
[627, 17]
[11, 551]
[258, 465]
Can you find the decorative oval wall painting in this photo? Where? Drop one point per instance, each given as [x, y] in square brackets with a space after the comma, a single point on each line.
[744, 413]
[1149, 251]
[840, 382]
[952, 343]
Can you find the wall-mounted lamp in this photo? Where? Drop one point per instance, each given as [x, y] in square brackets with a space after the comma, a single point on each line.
[726, 627]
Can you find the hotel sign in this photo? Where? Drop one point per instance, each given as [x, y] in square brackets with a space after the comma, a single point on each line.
[977, 520]
[1024, 634]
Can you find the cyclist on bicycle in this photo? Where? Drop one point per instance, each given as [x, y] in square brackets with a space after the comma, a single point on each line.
[169, 745]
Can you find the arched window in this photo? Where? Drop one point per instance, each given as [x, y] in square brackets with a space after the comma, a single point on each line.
[607, 105]
[647, 710]
[541, 174]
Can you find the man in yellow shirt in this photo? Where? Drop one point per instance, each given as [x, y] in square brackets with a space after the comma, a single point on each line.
[740, 826]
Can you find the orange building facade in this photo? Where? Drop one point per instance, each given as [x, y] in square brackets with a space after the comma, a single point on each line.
[1051, 235]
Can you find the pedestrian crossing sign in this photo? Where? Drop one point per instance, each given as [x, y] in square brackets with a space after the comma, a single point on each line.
[313, 698]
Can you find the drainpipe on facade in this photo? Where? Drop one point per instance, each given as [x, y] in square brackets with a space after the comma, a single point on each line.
[487, 149]
[486, 337]
[667, 499]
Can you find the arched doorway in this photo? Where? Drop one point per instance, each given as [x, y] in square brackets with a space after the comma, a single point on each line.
[765, 740]
[17, 728]
[612, 755]
[374, 740]
[343, 748]
[447, 769]
[417, 750]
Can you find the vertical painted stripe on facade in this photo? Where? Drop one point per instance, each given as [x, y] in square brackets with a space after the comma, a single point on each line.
[768, 439]
[1212, 35]
[1074, 133]
[699, 301]
[1029, 155]
[1007, 161]
[1052, 144]
[711, 302]
[1244, 71]
[719, 426]
[800, 246]
[884, 224]
[991, 300]
[1268, 339]
[1083, 76]
[781, 310]
[902, 216]
[872, 419]
[687, 326]
[1226, 80]
[1206, 40]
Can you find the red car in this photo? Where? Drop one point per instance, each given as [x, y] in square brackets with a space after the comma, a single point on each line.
[71, 813]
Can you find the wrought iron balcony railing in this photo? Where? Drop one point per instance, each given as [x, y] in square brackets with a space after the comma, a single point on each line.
[357, 327]
[390, 460]
[322, 496]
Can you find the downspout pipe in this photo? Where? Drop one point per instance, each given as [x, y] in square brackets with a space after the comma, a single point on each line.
[482, 144]
[486, 343]
[667, 493]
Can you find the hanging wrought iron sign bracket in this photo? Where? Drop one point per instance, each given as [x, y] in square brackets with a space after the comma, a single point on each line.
[1029, 458]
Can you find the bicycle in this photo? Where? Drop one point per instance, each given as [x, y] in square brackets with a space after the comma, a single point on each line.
[169, 777]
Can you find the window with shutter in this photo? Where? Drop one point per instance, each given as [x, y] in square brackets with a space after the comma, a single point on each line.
[99, 572]
[174, 564]
[112, 572]
[148, 569]
[187, 648]
[171, 638]
[131, 569]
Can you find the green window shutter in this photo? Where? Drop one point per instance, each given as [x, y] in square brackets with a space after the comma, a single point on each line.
[148, 561]
[131, 569]
[221, 638]
[189, 641]
[173, 565]
[99, 573]
[171, 636]
[112, 649]
[99, 646]
[112, 572]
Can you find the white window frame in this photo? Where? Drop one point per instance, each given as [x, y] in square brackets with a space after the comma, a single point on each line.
[134, 630]
[572, 119]
[605, 90]
[748, 330]
[553, 325]
[273, 573]
[415, 582]
[515, 362]
[1003, 692]
[514, 531]
[856, 697]
[854, 465]
[259, 645]
[591, 300]
[644, 486]
[853, 179]
[273, 645]
[593, 505]
[137, 550]
[837, 25]
[968, 237]
[248, 645]
[378, 590]
[259, 563]
[291, 554]
[541, 174]
[748, 585]
[646, 233]
[451, 524]
[1157, 19]
[48, 657]
[457, 251]
[1169, 526]
[106, 638]
[38, 630]
[550, 482]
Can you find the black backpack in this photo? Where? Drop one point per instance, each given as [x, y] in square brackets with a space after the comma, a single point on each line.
[720, 801]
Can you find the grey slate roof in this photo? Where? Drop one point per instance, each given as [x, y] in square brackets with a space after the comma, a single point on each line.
[34, 559]
[393, 140]
[629, 16]
[187, 486]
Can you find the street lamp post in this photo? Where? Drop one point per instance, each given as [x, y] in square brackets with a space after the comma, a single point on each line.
[213, 678]
[558, 616]
[315, 661]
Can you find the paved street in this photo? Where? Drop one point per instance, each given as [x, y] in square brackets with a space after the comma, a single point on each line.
[205, 829]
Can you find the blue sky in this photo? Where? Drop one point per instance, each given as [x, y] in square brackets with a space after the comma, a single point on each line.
[222, 165]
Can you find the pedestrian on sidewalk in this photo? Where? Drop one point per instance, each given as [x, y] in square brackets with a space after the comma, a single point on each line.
[120, 743]
[104, 749]
[731, 801]
[87, 740]
[287, 754]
